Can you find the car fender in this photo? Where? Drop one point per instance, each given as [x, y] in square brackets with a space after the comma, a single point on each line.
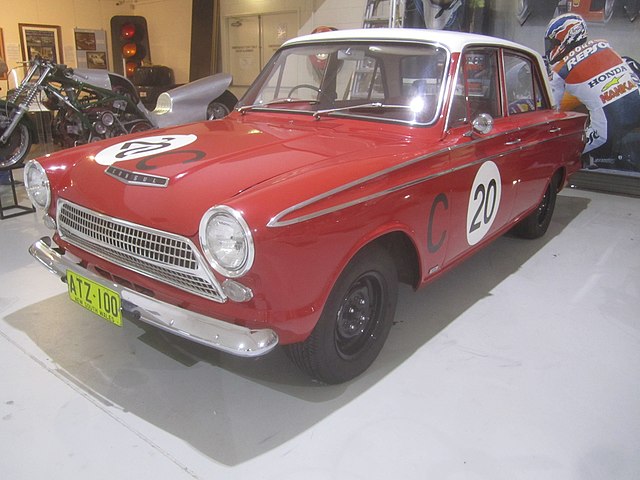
[387, 235]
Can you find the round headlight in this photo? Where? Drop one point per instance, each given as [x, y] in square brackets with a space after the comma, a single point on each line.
[226, 241]
[36, 183]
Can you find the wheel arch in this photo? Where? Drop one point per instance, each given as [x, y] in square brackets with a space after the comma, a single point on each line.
[402, 249]
[560, 178]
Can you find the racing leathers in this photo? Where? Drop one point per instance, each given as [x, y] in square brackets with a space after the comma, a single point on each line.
[600, 79]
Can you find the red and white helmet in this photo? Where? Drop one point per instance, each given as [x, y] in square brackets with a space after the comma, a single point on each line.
[564, 33]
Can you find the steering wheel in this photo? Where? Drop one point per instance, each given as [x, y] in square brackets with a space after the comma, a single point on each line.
[310, 87]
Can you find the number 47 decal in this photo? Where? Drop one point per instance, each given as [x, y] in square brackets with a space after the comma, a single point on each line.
[484, 201]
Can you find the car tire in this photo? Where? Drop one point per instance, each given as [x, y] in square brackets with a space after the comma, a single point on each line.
[355, 321]
[535, 224]
[15, 150]
[221, 106]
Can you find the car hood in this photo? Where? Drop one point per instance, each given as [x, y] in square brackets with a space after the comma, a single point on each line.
[203, 165]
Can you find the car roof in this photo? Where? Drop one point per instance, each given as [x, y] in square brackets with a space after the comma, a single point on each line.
[454, 41]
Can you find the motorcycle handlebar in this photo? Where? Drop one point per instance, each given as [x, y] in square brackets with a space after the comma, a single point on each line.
[47, 62]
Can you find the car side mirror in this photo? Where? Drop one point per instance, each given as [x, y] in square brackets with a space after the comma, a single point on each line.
[482, 124]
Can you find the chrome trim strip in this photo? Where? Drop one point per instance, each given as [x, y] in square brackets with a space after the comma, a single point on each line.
[212, 332]
[87, 243]
[136, 178]
[276, 222]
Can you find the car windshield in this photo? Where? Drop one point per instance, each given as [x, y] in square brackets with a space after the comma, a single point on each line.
[396, 82]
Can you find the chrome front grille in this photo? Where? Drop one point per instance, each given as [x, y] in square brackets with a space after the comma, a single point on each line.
[166, 257]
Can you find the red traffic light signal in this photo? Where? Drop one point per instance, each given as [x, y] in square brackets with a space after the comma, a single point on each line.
[130, 43]
[127, 31]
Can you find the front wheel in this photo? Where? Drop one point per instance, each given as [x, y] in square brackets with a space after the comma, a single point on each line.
[16, 148]
[139, 126]
[221, 106]
[355, 321]
[535, 224]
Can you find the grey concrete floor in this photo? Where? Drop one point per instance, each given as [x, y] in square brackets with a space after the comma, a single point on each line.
[522, 363]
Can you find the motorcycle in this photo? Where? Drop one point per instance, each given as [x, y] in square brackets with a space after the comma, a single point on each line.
[90, 105]
[625, 151]
[598, 11]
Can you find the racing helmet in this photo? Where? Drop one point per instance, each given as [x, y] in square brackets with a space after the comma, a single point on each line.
[564, 33]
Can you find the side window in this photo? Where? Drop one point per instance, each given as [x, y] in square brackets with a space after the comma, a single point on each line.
[477, 89]
[542, 103]
[519, 84]
[524, 91]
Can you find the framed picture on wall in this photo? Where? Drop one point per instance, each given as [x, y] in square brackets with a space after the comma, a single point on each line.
[91, 48]
[97, 60]
[41, 40]
[3, 58]
[85, 40]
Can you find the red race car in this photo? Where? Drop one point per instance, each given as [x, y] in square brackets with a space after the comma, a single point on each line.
[292, 220]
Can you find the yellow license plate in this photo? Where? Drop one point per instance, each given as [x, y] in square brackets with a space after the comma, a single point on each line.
[93, 296]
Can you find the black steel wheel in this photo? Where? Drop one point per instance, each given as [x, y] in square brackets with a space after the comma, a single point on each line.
[360, 314]
[17, 146]
[355, 321]
[535, 224]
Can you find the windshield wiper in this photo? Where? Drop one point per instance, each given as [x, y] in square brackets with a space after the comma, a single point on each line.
[246, 108]
[319, 113]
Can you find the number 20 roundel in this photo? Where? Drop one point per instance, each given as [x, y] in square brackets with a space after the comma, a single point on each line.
[484, 201]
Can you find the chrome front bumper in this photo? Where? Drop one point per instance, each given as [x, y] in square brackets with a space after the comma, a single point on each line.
[208, 331]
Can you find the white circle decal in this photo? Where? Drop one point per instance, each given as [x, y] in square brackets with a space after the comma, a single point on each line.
[142, 147]
[484, 200]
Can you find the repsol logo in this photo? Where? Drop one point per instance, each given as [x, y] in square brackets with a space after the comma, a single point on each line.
[607, 75]
[580, 53]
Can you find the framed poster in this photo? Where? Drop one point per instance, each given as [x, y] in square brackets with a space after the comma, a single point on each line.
[3, 58]
[85, 40]
[42, 40]
[91, 48]
[97, 60]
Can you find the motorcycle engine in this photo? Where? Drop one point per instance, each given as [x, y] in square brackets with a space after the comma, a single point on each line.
[98, 124]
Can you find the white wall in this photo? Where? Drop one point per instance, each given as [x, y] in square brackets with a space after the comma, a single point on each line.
[68, 14]
[342, 14]
[169, 23]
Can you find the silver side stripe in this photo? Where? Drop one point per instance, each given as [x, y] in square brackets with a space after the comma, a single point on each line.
[277, 221]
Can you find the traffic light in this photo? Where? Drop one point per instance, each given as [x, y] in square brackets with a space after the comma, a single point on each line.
[130, 43]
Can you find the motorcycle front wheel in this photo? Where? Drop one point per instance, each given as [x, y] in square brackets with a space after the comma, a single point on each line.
[221, 106]
[14, 151]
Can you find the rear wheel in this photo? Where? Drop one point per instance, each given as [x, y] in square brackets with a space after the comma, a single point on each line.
[535, 224]
[355, 321]
[221, 106]
[608, 10]
[16, 148]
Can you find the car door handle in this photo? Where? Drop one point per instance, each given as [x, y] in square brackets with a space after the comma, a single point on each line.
[514, 142]
[555, 130]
